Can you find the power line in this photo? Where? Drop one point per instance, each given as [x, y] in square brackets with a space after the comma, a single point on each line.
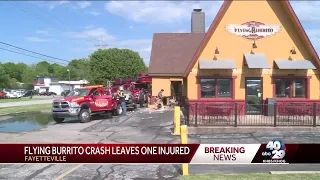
[41, 18]
[66, 26]
[54, 17]
[34, 52]
[45, 21]
[29, 55]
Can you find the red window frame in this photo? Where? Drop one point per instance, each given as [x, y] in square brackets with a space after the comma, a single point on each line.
[216, 87]
[291, 78]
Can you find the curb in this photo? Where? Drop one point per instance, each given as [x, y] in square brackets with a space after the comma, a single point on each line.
[294, 172]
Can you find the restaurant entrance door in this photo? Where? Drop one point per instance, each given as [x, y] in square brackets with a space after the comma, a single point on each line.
[254, 96]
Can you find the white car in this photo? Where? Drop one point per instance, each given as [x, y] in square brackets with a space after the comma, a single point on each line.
[19, 95]
[11, 95]
[16, 93]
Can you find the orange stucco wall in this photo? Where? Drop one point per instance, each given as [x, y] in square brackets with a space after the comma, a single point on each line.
[233, 47]
[164, 83]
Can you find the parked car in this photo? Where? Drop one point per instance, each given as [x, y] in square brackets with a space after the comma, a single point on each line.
[19, 95]
[43, 94]
[52, 94]
[28, 93]
[11, 95]
[22, 92]
[2, 95]
[65, 93]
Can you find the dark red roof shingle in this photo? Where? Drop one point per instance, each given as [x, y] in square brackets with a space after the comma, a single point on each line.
[171, 53]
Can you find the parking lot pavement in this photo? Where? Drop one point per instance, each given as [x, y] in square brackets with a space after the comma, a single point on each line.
[139, 127]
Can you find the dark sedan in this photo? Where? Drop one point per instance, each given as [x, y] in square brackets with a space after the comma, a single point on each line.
[65, 93]
[27, 94]
[52, 94]
[44, 94]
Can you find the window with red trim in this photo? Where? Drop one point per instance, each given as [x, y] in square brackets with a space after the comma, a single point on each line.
[291, 88]
[215, 88]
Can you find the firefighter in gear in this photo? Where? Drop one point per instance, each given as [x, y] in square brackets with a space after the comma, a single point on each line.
[122, 101]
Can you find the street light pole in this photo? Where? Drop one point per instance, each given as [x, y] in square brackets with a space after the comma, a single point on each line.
[69, 78]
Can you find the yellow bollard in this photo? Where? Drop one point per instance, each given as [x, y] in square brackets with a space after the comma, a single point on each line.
[184, 134]
[176, 130]
[184, 140]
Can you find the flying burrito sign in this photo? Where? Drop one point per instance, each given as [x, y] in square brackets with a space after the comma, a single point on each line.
[101, 102]
[253, 30]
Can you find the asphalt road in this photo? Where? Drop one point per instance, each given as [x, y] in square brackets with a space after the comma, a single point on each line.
[139, 127]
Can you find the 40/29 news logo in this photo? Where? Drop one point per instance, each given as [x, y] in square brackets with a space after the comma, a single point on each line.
[274, 152]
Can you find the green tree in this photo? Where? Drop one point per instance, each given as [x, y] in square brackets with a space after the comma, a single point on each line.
[13, 83]
[14, 71]
[20, 67]
[108, 64]
[60, 71]
[10, 69]
[42, 68]
[28, 76]
[4, 77]
[79, 69]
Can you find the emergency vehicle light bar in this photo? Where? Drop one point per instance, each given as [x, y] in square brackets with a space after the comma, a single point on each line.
[96, 86]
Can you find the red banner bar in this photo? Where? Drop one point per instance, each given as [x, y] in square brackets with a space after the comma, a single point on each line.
[97, 153]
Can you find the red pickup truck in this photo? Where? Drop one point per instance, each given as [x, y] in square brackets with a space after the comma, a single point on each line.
[85, 102]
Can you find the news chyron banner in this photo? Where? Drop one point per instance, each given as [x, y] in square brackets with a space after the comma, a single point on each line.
[273, 152]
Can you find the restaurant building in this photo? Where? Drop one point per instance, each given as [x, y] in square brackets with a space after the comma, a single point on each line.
[253, 50]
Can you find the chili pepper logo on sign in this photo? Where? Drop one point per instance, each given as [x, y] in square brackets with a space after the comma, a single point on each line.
[101, 102]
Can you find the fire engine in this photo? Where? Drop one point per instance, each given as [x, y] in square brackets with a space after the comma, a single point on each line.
[135, 85]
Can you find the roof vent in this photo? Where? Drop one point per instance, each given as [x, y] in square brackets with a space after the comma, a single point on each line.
[197, 10]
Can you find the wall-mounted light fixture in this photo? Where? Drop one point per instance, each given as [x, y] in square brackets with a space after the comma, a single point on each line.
[293, 51]
[216, 51]
[254, 45]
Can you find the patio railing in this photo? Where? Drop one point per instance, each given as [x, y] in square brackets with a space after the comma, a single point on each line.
[237, 114]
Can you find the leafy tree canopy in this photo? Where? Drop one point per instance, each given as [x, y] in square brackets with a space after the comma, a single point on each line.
[108, 64]
[101, 66]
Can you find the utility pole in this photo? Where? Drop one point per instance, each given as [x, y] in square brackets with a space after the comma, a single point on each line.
[101, 45]
[69, 79]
